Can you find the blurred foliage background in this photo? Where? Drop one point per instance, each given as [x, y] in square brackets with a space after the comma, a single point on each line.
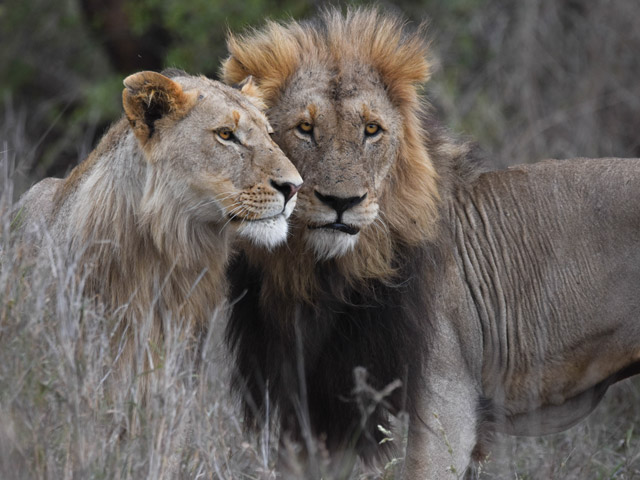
[526, 80]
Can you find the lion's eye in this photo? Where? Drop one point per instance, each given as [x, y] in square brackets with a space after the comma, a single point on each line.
[371, 129]
[226, 134]
[305, 128]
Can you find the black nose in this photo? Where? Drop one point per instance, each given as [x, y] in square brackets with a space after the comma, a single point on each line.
[288, 189]
[340, 204]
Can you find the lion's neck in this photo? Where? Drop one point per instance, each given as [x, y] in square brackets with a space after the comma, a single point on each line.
[372, 258]
[344, 324]
[163, 261]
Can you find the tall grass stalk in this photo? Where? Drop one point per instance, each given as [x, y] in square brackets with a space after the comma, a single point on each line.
[63, 415]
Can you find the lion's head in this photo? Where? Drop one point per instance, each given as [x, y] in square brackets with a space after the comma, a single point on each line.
[210, 160]
[342, 98]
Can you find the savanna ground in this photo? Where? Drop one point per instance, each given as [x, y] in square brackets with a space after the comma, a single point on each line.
[527, 80]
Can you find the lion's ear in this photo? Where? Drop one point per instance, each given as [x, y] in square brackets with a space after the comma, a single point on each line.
[150, 96]
[250, 89]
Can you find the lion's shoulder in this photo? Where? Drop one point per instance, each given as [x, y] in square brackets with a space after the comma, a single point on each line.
[37, 203]
[108, 147]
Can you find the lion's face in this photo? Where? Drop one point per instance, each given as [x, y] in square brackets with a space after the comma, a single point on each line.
[216, 159]
[343, 100]
[343, 136]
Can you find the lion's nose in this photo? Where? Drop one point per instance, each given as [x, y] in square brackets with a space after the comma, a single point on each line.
[340, 204]
[287, 189]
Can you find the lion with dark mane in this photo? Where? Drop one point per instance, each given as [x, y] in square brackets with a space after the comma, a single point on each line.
[501, 301]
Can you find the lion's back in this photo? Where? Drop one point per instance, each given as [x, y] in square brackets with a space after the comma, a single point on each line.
[36, 210]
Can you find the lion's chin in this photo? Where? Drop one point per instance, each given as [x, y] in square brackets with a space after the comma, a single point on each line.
[330, 243]
[268, 233]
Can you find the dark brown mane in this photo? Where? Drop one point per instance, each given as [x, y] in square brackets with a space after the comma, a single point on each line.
[300, 328]
[379, 327]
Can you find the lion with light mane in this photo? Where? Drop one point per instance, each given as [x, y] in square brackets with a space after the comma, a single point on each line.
[152, 212]
[502, 300]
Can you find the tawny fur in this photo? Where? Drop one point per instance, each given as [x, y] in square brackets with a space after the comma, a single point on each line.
[152, 212]
[408, 214]
[504, 301]
[350, 308]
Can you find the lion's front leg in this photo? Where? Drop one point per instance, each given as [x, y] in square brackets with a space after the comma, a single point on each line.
[442, 434]
[445, 417]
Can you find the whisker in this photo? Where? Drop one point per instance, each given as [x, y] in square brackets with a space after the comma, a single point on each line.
[218, 198]
[231, 213]
[381, 224]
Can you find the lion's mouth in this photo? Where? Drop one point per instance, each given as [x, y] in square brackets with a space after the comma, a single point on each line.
[341, 227]
[237, 218]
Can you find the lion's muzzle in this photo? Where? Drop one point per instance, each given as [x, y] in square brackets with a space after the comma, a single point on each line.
[341, 227]
[340, 205]
[287, 189]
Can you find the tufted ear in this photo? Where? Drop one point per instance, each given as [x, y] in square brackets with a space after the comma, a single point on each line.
[150, 96]
[249, 88]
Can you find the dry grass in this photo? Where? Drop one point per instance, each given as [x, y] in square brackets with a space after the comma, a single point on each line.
[560, 80]
[61, 419]
[60, 415]
[604, 446]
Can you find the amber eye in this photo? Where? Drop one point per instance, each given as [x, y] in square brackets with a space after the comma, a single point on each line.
[305, 127]
[225, 134]
[371, 129]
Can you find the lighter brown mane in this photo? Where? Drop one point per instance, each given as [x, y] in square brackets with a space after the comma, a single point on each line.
[147, 221]
[336, 42]
[132, 272]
